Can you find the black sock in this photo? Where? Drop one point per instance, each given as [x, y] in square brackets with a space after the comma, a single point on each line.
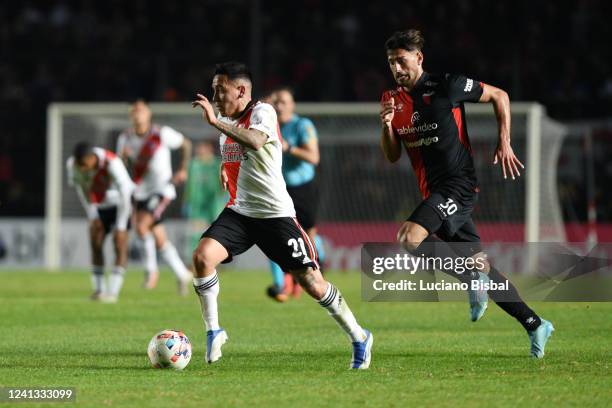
[510, 302]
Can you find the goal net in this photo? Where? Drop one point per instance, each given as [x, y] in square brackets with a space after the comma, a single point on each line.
[362, 197]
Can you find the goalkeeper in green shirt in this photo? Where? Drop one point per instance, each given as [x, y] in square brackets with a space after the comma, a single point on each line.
[204, 199]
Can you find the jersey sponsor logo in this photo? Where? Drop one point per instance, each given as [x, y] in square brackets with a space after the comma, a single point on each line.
[468, 85]
[416, 116]
[430, 83]
[425, 127]
[426, 141]
[233, 152]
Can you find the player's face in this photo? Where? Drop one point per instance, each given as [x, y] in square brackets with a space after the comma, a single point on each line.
[140, 114]
[284, 104]
[406, 66]
[227, 95]
[88, 163]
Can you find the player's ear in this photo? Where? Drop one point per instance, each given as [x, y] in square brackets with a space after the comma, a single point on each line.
[242, 90]
[420, 57]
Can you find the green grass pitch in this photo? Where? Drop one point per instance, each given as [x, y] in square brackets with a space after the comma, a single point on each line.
[425, 354]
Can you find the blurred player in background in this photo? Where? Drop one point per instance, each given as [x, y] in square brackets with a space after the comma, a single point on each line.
[300, 158]
[204, 199]
[105, 191]
[146, 148]
[260, 211]
[425, 115]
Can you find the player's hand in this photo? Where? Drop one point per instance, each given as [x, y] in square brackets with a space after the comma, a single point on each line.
[509, 162]
[208, 112]
[161, 207]
[387, 111]
[179, 177]
[125, 153]
[223, 179]
[285, 146]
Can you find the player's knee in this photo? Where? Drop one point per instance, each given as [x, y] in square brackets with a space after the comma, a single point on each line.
[203, 261]
[411, 235]
[412, 240]
[142, 230]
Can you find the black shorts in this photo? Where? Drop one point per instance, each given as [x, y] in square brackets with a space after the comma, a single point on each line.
[108, 216]
[282, 239]
[449, 219]
[155, 205]
[305, 200]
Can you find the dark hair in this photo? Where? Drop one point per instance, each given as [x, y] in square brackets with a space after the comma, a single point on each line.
[234, 70]
[81, 150]
[409, 40]
[285, 88]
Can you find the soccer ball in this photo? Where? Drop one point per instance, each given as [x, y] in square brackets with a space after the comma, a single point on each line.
[169, 349]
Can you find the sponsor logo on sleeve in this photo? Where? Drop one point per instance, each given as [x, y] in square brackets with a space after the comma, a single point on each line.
[468, 85]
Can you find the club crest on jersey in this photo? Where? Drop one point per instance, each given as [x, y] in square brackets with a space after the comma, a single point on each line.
[399, 107]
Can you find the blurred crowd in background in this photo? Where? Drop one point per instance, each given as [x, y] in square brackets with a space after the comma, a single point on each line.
[554, 52]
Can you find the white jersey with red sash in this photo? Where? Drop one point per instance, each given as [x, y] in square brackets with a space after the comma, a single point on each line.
[256, 184]
[150, 156]
[106, 186]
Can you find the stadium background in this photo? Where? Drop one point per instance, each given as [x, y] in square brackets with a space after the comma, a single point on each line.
[86, 51]
[426, 354]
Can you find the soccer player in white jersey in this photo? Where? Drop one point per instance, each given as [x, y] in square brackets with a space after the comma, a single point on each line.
[146, 148]
[105, 190]
[260, 211]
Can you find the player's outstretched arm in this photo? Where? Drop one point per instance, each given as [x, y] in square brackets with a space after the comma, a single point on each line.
[251, 138]
[503, 153]
[389, 144]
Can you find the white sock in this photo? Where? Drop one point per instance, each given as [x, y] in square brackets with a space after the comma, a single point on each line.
[339, 310]
[97, 279]
[149, 256]
[170, 255]
[208, 289]
[115, 281]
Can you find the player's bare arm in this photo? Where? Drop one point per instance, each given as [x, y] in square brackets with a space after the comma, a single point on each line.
[391, 147]
[181, 174]
[503, 153]
[251, 138]
[309, 151]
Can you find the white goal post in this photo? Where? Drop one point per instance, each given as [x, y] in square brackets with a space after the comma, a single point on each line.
[540, 190]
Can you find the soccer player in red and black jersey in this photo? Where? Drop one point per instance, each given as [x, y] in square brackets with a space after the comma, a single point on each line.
[425, 116]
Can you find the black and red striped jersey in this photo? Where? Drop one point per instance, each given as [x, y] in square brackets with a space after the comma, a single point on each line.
[430, 122]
